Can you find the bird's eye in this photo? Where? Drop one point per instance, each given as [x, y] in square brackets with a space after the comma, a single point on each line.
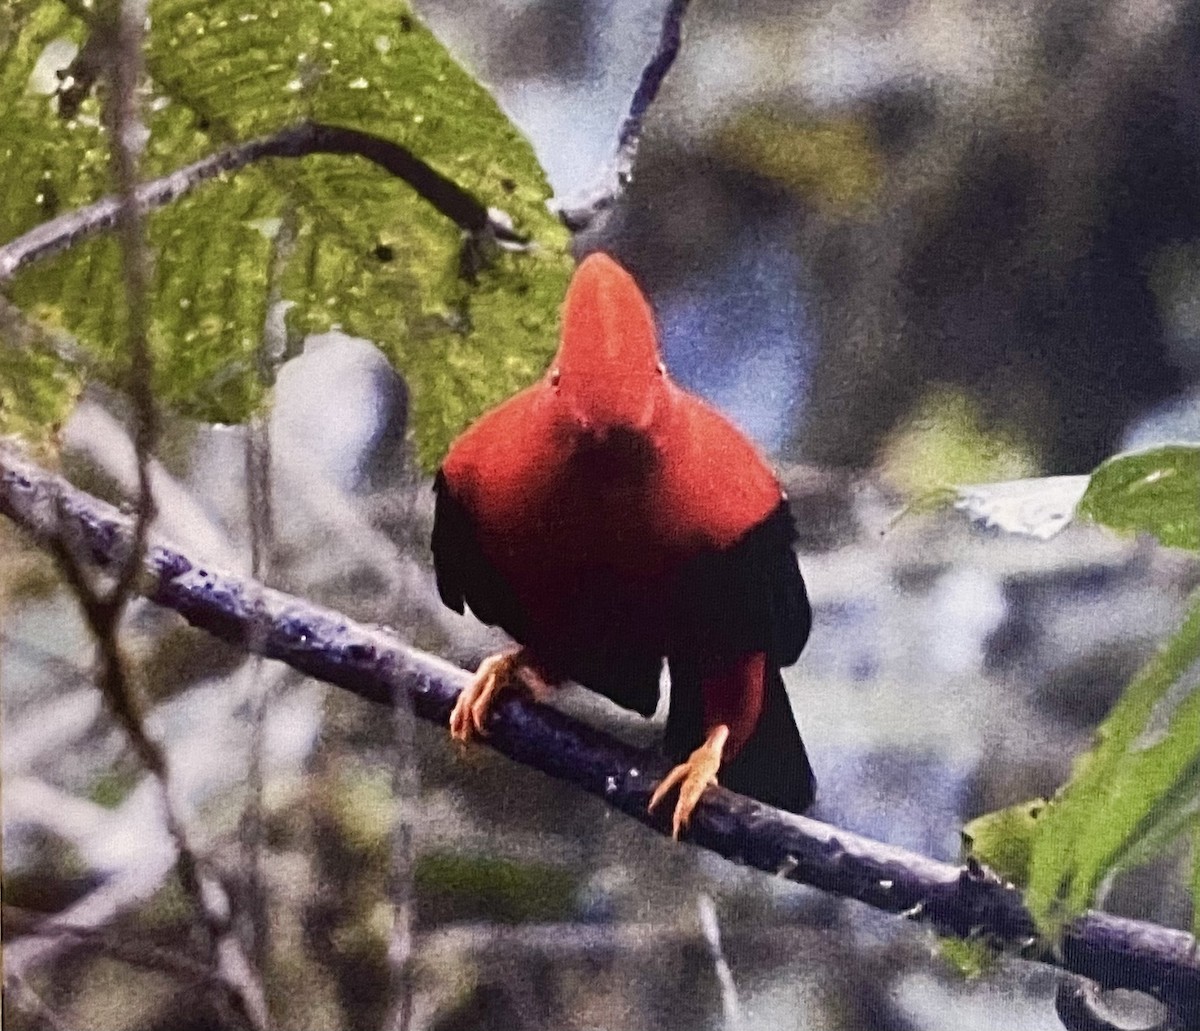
[555, 376]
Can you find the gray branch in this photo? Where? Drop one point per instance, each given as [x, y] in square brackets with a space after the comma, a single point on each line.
[372, 663]
[582, 214]
[298, 141]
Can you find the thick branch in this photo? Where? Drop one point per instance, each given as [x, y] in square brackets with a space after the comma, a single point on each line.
[616, 177]
[373, 663]
[298, 141]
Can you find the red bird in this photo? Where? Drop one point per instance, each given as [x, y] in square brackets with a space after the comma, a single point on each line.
[608, 520]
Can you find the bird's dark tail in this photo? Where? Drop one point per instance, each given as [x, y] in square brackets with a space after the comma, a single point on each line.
[772, 765]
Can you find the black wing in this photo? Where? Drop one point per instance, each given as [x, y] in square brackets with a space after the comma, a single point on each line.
[466, 575]
[747, 598]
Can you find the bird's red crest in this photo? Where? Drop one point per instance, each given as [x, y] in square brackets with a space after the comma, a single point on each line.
[607, 369]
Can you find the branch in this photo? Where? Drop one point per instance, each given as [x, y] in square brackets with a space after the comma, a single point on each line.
[297, 141]
[372, 663]
[711, 931]
[119, 945]
[26, 1000]
[103, 607]
[616, 177]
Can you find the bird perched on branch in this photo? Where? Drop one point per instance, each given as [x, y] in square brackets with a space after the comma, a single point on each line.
[607, 520]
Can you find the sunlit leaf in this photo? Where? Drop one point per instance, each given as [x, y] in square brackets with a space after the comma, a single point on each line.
[1003, 840]
[1039, 507]
[365, 252]
[945, 441]
[970, 957]
[1196, 882]
[1155, 491]
[1137, 790]
[36, 390]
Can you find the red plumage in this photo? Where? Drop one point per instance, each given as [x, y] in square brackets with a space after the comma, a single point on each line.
[608, 519]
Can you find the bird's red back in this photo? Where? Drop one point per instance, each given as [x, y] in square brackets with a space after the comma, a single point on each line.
[707, 484]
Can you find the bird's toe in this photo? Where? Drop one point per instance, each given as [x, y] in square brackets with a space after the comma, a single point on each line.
[468, 719]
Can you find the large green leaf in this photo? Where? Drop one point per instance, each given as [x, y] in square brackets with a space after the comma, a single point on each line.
[368, 254]
[1155, 491]
[1135, 792]
[1138, 790]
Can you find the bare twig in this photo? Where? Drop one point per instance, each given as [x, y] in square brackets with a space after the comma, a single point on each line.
[25, 999]
[406, 790]
[260, 495]
[707, 912]
[371, 662]
[116, 944]
[128, 140]
[298, 141]
[103, 608]
[113, 897]
[616, 177]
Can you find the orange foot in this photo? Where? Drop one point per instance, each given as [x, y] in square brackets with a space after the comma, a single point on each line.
[696, 774]
[496, 672]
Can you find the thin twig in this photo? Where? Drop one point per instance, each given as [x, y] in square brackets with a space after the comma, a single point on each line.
[707, 912]
[406, 791]
[25, 999]
[298, 141]
[115, 944]
[616, 177]
[103, 608]
[372, 663]
[128, 135]
[260, 494]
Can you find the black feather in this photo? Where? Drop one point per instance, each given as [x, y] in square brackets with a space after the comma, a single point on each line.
[747, 598]
[464, 573]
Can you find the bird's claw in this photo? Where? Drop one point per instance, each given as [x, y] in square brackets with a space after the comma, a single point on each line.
[495, 674]
[694, 777]
[470, 713]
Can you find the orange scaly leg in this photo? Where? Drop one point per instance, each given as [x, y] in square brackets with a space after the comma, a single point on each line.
[511, 669]
[693, 776]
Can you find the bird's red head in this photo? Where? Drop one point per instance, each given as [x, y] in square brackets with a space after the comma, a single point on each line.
[607, 372]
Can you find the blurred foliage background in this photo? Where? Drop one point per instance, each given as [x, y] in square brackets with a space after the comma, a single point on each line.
[906, 247]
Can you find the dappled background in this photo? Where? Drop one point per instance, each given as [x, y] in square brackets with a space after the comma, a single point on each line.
[904, 246]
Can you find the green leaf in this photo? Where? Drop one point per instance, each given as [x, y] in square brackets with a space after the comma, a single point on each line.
[1003, 840]
[971, 957]
[456, 886]
[1136, 791]
[36, 390]
[368, 254]
[1155, 491]
[835, 163]
[946, 441]
[1196, 883]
